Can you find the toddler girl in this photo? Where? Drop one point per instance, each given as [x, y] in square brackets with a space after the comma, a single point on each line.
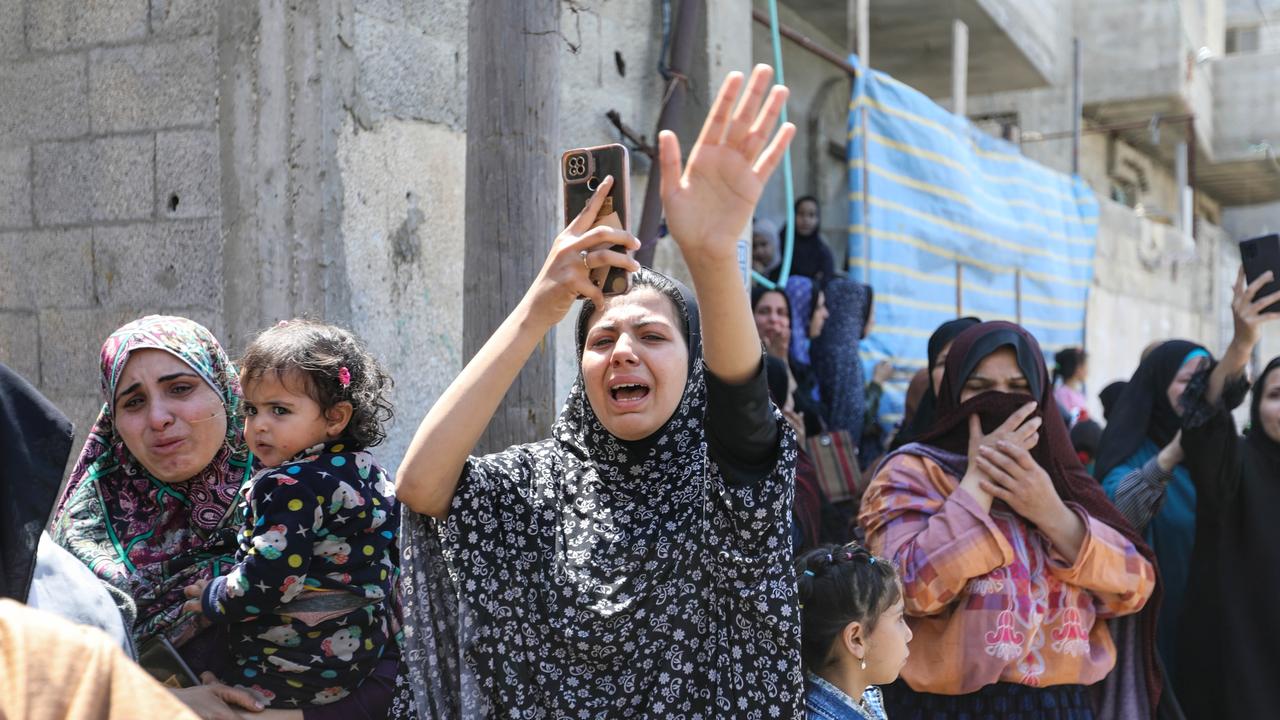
[307, 602]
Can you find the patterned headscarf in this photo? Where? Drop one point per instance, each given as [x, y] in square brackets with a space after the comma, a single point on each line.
[149, 538]
[835, 354]
[631, 571]
[801, 296]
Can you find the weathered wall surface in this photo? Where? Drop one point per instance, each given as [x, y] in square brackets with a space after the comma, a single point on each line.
[245, 162]
[109, 181]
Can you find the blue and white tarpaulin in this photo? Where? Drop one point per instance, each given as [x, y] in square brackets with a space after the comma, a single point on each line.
[945, 221]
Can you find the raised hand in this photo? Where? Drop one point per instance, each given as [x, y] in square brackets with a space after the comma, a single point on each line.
[1013, 476]
[1247, 309]
[710, 199]
[1020, 429]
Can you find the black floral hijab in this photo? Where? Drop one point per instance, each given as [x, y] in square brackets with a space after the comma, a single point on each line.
[586, 576]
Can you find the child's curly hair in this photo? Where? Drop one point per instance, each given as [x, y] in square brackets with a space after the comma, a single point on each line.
[326, 356]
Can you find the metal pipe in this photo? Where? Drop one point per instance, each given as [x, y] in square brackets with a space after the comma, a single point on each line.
[800, 39]
[1191, 172]
[1180, 179]
[864, 32]
[959, 67]
[1077, 102]
[682, 37]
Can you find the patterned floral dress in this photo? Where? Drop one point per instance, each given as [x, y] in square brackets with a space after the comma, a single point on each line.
[586, 577]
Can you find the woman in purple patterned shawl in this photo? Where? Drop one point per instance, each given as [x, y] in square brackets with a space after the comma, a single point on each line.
[154, 504]
[146, 514]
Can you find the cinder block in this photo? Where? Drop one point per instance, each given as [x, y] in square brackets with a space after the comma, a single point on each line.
[46, 269]
[20, 343]
[71, 344]
[159, 265]
[13, 41]
[67, 24]
[82, 409]
[187, 174]
[406, 74]
[84, 180]
[183, 17]
[446, 19]
[153, 87]
[44, 98]
[15, 187]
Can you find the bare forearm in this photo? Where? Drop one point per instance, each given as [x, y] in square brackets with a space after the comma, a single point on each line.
[428, 476]
[972, 484]
[731, 345]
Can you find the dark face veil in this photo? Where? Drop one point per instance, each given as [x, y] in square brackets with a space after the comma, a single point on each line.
[1055, 452]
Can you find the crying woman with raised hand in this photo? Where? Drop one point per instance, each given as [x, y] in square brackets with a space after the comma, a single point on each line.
[638, 562]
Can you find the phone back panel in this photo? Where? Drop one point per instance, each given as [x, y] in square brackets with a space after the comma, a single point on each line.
[1261, 254]
[582, 169]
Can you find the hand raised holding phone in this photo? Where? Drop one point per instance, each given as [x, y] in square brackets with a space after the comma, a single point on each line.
[575, 253]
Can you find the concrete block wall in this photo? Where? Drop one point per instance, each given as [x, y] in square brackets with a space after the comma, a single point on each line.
[109, 189]
[316, 151]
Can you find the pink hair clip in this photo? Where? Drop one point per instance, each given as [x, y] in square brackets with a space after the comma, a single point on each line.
[344, 376]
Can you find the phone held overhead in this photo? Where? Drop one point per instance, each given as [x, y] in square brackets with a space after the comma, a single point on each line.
[581, 172]
[1261, 254]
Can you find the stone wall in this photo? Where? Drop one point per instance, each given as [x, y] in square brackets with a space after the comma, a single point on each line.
[245, 161]
[109, 180]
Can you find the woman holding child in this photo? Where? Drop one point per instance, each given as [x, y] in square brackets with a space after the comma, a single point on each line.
[638, 562]
[157, 503]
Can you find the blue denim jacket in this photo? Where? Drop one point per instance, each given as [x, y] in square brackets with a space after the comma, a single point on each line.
[824, 701]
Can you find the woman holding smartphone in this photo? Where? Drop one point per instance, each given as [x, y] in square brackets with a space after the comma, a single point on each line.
[636, 563]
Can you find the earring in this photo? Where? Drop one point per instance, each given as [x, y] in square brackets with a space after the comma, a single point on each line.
[863, 663]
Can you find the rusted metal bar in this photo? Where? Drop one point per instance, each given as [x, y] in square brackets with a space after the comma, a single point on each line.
[803, 41]
[638, 140]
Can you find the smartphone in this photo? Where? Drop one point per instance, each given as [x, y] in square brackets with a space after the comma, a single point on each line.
[1261, 254]
[581, 171]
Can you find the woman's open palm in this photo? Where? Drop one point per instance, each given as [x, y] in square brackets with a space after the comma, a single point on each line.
[710, 199]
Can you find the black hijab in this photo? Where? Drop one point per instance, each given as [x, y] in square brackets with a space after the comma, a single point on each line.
[926, 411]
[621, 569]
[1266, 452]
[810, 257]
[1109, 395]
[35, 441]
[1142, 411]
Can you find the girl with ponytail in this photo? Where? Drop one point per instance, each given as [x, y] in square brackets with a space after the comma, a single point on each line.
[853, 633]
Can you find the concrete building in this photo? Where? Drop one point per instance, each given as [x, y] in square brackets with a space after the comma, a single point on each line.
[240, 162]
[1165, 263]
[243, 162]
